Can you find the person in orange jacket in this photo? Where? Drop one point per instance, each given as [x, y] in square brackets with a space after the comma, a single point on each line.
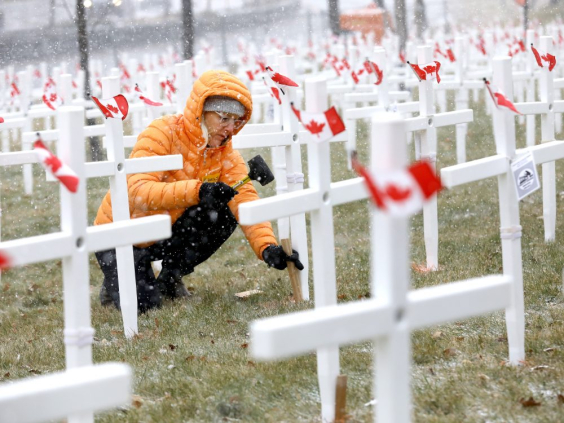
[199, 199]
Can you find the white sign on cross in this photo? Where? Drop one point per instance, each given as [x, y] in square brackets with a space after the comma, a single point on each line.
[394, 311]
[546, 108]
[76, 240]
[500, 166]
[72, 392]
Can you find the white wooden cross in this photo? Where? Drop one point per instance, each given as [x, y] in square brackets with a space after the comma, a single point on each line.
[425, 128]
[73, 392]
[499, 165]
[117, 167]
[546, 108]
[318, 200]
[76, 240]
[393, 311]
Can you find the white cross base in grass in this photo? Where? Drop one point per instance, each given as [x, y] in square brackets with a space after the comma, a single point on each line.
[394, 311]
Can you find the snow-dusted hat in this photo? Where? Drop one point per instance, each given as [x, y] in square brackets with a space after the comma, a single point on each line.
[221, 103]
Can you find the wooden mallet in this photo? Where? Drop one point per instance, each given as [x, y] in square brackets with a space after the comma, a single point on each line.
[258, 171]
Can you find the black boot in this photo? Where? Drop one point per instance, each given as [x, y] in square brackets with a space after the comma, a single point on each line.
[171, 286]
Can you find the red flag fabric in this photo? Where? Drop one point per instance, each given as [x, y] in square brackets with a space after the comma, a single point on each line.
[116, 107]
[1, 119]
[402, 56]
[323, 126]
[5, 261]
[546, 57]
[354, 77]
[401, 193]
[55, 166]
[169, 89]
[50, 96]
[144, 99]
[272, 90]
[427, 72]
[499, 98]
[280, 79]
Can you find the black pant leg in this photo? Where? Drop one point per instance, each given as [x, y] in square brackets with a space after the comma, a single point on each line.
[148, 296]
[196, 235]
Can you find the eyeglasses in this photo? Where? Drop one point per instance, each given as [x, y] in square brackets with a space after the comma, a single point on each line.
[225, 120]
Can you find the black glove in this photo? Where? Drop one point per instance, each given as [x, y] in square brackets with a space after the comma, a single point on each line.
[216, 195]
[275, 256]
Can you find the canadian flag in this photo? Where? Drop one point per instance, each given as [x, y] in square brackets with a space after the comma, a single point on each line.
[272, 90]
[115, 107]
[50, 96]
[323, 126]
[549, 58]
[403, 192]
[144, 99]
[427, 72]
[55, 166]
[280, 80]
[499, 98]
[372, 67]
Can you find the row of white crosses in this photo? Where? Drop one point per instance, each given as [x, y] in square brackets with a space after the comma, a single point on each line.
[76, 240]
[394, 311]
[117, 167]
[546, 107]
[425, 128]
[78, 391]
[500, 166]
[140, 113]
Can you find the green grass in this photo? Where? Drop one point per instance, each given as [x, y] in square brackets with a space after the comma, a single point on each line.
[191, 359]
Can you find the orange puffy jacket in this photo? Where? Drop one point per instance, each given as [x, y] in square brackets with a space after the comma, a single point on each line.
[172, 192]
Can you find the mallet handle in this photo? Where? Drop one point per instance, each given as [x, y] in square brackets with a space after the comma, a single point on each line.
[292, 271]
[242, 182]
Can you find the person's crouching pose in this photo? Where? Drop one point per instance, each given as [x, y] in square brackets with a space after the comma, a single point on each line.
[199, 198]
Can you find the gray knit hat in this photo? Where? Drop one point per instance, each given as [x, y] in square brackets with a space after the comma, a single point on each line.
[221, 103]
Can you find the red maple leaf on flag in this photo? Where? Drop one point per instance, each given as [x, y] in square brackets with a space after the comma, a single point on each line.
[398, 194]
[1, 120]
[53, 162]
[315, 127]
[112, 109]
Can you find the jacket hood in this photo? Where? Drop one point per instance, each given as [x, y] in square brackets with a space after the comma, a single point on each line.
[210, 83]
